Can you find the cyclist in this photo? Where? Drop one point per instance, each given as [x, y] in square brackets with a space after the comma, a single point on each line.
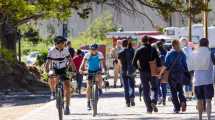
[57, 60]
[95, 62]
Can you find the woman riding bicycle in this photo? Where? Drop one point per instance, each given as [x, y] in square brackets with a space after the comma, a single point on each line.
[95, 62]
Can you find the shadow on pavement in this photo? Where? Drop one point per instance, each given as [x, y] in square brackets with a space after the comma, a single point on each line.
[20, 100]
[108, 95]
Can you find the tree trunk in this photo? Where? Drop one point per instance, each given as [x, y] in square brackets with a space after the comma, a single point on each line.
[9, 37]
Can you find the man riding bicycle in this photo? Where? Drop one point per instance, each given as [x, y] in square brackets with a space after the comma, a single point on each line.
[57, 61]
[95, 62]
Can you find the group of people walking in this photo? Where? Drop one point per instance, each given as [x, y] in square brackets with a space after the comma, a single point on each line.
[185, 70]
[178, 68]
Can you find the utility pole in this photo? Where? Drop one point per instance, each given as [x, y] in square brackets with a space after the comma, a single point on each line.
[205, 19]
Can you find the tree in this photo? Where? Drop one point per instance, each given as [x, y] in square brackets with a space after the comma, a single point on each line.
[16, 12]
[98, 29]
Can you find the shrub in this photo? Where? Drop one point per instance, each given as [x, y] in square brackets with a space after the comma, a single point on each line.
[41, 58]
[7, 54]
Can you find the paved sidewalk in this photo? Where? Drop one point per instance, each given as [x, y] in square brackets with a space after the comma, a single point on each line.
[112, 107]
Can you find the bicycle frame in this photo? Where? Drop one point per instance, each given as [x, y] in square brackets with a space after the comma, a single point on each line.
[94, 93]
[60, 98]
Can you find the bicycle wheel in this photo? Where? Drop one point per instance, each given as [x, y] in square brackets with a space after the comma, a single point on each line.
[59, 102]
[94, 100]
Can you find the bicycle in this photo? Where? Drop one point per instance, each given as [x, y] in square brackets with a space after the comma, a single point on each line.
[94, 93]
[59, 94]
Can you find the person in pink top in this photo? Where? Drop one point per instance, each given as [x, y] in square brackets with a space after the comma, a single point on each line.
[79, 77]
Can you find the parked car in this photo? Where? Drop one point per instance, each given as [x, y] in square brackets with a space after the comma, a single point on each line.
[32, 58]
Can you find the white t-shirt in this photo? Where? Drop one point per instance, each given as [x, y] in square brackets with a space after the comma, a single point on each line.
[59, 58]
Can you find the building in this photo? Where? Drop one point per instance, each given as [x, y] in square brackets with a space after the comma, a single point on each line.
[76, 25]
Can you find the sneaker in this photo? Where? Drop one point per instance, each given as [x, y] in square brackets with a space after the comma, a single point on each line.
[89, 106]
[66, 110]
[154, 107]
[183, 107]
[52, 97]
[164, 103]
[149, 111]
[159, 101]
[128, 103]
[132, 102]
[176, 111]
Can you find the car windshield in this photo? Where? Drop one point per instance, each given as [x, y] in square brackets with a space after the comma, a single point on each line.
[33, 55]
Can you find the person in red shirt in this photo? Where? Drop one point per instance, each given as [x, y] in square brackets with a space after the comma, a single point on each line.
[79, 77]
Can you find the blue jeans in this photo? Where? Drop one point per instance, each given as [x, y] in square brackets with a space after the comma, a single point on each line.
[177, 91]
[188, 88]
[163, 90]
[129, 85]
[79, 79]
[150, 89]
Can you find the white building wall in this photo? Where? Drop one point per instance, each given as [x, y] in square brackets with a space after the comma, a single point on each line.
[76, 25]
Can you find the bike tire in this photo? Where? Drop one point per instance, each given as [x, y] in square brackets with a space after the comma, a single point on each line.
[59, 102]
[94, 100]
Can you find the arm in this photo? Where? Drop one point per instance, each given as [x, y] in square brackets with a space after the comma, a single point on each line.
[82, 65]
[48, 62]
[166, 64]
[158, 60]
[72, 65]
[184, 61]
[135, 59]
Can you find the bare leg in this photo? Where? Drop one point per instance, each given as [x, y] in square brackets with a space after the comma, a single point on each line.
[52, 84]
[99, 81]
[116, 74]
[67, 92]
[208, 108]
[88, 90]
[200, 108]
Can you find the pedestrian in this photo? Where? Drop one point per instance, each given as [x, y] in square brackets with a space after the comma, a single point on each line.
[114, 53]
[203, 78]
[188, 52]
[142, 57]
[79, 77]
[175, 63]
[163, 84]
[125, 57]
[71, 50]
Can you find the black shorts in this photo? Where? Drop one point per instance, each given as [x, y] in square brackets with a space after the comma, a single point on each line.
[204, 92]
[62, 73]
[91, 74]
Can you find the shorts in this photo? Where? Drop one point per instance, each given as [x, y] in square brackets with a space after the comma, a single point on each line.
[204, 92]
[62, 73]
[91, 77]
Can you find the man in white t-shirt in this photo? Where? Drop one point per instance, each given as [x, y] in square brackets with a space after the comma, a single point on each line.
[57, 61]
[188, 52]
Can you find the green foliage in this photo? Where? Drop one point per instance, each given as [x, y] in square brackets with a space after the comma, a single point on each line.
[30, 33]
[41, 58]
[96, 33]
[28, 46]
[99, 28]
[6, 54]
[45, 76]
